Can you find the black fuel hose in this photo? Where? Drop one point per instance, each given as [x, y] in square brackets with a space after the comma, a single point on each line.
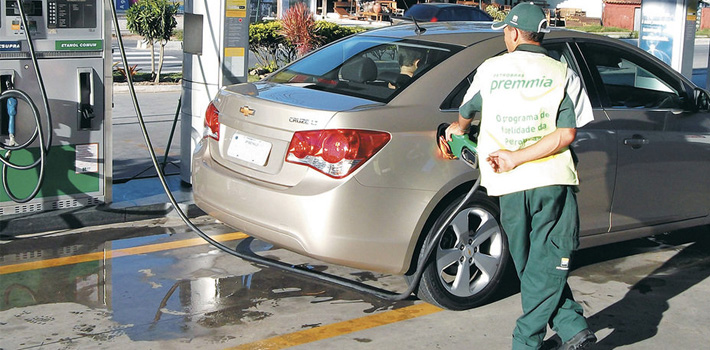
[5, 159]
[243, 252]
[44, 145]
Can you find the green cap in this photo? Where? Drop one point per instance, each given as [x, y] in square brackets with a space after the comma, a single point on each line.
[525, 16]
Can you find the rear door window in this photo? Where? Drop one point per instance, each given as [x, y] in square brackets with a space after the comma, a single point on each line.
[628, 81]
[375, 68]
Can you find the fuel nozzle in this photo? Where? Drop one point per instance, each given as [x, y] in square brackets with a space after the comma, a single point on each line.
[11, 113]
[460, 146]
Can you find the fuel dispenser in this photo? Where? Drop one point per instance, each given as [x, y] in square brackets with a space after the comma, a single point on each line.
[215, 54]
[67, 64]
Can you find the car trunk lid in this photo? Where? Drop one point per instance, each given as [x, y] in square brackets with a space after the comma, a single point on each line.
[257, 122]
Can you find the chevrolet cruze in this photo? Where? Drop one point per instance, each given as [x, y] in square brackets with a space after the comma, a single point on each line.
[334, 156]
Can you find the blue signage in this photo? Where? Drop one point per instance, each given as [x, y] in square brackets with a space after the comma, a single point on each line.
[668, 32]
[123, 5]
[658, 29]
[10, 46]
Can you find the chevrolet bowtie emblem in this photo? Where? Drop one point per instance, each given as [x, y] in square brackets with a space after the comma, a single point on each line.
[246, 111]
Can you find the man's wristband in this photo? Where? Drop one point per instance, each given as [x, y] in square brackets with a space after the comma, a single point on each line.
[463, 130]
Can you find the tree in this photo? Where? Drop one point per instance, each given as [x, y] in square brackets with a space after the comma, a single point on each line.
[155, 21]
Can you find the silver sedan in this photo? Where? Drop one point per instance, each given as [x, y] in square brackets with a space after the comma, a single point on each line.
[334, 156]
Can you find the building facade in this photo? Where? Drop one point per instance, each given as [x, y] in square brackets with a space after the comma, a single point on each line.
[622, 14]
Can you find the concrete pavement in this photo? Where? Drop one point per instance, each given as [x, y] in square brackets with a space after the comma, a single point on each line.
[153, 285]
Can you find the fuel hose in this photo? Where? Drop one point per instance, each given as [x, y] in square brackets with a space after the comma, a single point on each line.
[13, 95]
[244, 252]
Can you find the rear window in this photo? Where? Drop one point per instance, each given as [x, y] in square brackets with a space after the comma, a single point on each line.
[375, 68]
[463, 13]
[422, 13]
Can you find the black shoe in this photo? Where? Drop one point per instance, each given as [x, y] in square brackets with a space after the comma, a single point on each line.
[552, 343]
[582, 340]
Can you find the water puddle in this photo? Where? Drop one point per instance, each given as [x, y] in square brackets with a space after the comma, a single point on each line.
[163, 294]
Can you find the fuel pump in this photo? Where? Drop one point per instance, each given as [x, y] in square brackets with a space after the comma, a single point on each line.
[215, 54]
[54, 54]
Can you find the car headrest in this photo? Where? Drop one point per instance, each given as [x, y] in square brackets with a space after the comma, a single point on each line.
[359, 70]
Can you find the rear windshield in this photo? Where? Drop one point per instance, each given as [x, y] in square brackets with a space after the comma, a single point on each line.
[422, 13]
[375, 68]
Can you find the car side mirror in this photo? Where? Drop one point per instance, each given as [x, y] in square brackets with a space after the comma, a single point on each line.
[702, 100]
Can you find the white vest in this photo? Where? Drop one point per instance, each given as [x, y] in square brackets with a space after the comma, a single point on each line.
[521, 93]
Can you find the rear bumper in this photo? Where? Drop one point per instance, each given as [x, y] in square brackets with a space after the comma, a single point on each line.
[337, 221]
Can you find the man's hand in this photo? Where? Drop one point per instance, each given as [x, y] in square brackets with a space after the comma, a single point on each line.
[459, 127]
[453, 129]
[501, 161]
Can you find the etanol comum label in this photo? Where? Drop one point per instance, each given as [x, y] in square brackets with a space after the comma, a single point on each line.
[79, 45]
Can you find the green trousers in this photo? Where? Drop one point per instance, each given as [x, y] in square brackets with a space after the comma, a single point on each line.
[542, 226]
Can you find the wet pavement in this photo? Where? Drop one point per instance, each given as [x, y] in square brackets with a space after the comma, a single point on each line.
[154, 285]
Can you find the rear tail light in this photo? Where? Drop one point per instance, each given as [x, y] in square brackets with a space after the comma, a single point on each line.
[211, 122]
[336, 153]
[434, 19]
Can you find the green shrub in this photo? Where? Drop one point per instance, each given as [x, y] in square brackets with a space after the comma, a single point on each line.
[272, 50]
[496, 12]
[329, 32]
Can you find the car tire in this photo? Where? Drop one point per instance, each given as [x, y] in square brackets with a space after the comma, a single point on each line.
[474, 248]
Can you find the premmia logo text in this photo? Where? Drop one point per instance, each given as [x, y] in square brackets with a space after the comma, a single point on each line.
[516, 84]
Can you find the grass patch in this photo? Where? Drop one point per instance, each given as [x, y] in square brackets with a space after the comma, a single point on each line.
[605, 30]
[177, 35]
[600, 29]
[141, 77]
[703, 32]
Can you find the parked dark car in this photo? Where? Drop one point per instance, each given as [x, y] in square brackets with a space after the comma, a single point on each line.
[327, 158]
[442, 12]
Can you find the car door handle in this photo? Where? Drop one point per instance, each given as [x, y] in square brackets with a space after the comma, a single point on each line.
[636, 141]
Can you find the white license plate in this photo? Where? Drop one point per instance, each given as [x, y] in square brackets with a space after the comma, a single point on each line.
[249, 149]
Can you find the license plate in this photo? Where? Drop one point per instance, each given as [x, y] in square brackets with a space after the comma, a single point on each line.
[249, 149]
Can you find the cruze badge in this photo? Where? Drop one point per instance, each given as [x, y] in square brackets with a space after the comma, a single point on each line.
[246, 111]
[303, 121]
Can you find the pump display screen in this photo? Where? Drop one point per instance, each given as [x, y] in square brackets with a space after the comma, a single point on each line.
[31, 8]
[71, 14]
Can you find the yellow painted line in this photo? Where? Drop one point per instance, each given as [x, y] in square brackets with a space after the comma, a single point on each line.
[110, 254]
[340, 328]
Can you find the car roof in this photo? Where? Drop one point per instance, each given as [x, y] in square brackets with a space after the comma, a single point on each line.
[463, 33]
